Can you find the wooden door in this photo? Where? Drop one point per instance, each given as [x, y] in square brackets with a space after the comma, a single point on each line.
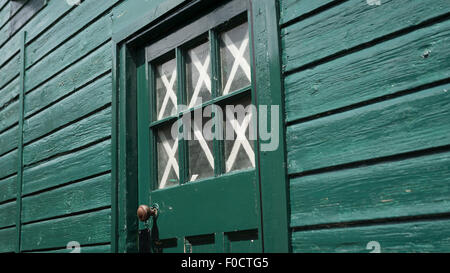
[196, 127]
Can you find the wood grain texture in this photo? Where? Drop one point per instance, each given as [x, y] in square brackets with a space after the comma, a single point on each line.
[69, 25]
[90, 228]
[8, 164]
[418, 58]
[54, 11]
[86, 195]
[292, 9]
[78, 104]
[271, 162]
[421, 236]
[8, 240]
[9, 49]
[9, 115]
[8, 188]
[350, 24]
[5, 31]
[410, 187]
[84, 163]
[78, 46]
[9, 140]
[10, 70]
[66, 51]
[30, 8]
[42, 20]
[8, 214]
[75, 77]
[5, 11]
[413, 122]
[9, 92]
[76, 135]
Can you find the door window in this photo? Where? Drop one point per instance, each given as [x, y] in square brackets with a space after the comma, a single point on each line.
[201, 104]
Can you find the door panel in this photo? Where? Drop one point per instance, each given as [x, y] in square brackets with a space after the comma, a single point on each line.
[227, 203]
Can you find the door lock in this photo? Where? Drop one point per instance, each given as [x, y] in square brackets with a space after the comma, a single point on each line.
[144, 212]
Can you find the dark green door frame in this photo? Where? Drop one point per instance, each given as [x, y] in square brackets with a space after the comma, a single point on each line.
[269, 90]
[128, 50]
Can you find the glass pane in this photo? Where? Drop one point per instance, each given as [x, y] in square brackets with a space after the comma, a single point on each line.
[198, 75]
[239, 136]
[200, 141]
[166, 89]
[235, 59]
[167, 149]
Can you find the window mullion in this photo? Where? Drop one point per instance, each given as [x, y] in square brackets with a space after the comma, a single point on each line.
[183, 156]
[215, 86]
[152, 138]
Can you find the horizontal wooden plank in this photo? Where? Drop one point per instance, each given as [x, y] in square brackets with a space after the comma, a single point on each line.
[8, 188]
[10, 70]
[10, 48]
[9, 92]
[9, 115]
[8, 163]
[70, 24]
[79, 134]
[8, 214]
[413, 122]
[90, 228]
[86, 195]
[45, 18]
[5, 11]
[8, 240]
[9, 140]
[411, 187]
[71, 167]
[351, 24]
[78, 46]
[78, 104]
[52, 13]
[292, 9]
[421, 236]
[3, 3]
[83, 249]
[24, 15]
[76, 76]
[418, 58]
[5, 31]
[17, 6]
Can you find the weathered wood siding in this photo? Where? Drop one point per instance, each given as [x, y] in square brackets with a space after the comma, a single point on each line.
[367, 113]
[367, 93]
[67, 121]
[66, 193]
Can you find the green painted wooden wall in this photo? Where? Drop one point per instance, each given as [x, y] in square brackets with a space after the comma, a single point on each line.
[66, 127]
[367, 121]
[66, 150]
[368, 124]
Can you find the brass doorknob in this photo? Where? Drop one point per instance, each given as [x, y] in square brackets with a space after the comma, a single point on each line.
[144, 212]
